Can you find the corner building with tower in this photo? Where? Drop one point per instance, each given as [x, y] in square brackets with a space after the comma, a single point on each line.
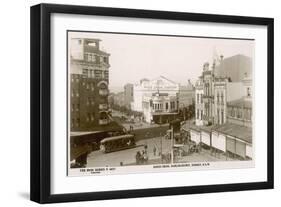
[89, 73]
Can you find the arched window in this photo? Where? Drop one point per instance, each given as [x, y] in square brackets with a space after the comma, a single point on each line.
[102, 85]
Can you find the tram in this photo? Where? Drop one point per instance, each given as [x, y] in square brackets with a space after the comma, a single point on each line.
[117, 143]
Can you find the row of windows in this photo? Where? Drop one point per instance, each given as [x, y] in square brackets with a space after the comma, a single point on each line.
[90, 101]
[220, 98]
[91, 57]
[75, 93]
[90, 73]
[240, 113]
[89, 86]
[77, 80]
[75, 107]
[159, 106]
[199, 115]
[90, 117]
[77, 122]
[207, 89]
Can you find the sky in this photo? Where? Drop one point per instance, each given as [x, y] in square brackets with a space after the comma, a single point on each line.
[133, 57]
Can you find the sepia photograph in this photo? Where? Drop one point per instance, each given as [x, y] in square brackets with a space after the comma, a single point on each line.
[129, 103]
[152, 103]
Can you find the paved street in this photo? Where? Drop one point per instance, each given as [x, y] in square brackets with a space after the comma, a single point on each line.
[127, 157]
[204, 155]
[98, 158]
[129, 121]
[146, 134]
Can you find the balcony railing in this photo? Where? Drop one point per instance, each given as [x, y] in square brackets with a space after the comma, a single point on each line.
[157, 110]
[164, 111]
[103, 92]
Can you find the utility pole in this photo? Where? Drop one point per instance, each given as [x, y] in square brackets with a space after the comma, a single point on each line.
[161, 148]
[172, 145]
[161, 139]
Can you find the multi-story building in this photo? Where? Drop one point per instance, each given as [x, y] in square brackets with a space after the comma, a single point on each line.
[224, 108]
[199, 106]
[237, 132]
[111, 100]
[88, 85]
[216, 87]
[158, 99]
[186, 95]
[233, 67]
[119, 99]
[239, 111]
[128, 95]
[160, 107]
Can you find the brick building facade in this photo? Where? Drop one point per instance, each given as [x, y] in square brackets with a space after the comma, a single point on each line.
[88, 85]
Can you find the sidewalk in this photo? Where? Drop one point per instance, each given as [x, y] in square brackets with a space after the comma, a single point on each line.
[204, 156]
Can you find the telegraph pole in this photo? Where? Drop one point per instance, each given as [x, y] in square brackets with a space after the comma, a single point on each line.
[161, 148]
[172, 144]
[161, 139]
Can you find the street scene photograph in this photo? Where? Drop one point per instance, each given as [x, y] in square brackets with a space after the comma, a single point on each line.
[146, 100]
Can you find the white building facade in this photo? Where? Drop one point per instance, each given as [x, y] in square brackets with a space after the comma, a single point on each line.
[199, 106]
[158, 99]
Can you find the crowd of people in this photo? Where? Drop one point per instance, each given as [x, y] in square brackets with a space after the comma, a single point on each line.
[141, 157]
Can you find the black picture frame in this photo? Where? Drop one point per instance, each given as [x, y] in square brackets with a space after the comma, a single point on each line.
[40, 175]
